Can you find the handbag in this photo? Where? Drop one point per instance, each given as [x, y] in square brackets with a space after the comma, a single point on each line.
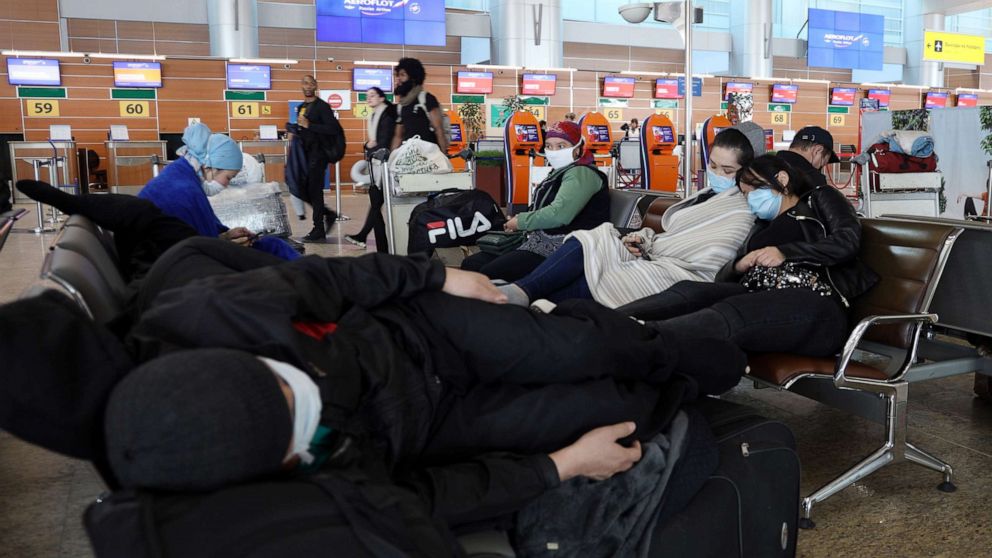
[786, 276]
[501, 242]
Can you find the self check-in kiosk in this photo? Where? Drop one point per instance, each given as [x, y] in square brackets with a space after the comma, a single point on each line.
[598, 137]
[711, 127]
[659, 167]
[458, 142]
[521, 136]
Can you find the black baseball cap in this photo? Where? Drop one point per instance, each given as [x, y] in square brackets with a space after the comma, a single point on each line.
[818, 136]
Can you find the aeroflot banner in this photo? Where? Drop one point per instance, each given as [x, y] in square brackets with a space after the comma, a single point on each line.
[846, 40]
[395, 22]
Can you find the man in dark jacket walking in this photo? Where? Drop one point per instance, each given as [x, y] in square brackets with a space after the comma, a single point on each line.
[321, 134]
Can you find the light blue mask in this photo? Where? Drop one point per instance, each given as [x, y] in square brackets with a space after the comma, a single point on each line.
[719, 184]
[765, 203]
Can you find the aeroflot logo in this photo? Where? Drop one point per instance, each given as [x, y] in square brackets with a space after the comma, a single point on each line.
[843, 41]
[377, 7]
[455, 229]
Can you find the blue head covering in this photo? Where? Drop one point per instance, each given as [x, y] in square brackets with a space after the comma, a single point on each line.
[212, 150]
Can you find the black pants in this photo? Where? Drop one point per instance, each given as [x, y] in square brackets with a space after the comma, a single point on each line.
[316, 169]
[141, 231]
[374, 220]
[536, 382]
[785, 320]
[509, 267]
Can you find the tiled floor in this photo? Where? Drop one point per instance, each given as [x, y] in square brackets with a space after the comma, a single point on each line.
[896, 512]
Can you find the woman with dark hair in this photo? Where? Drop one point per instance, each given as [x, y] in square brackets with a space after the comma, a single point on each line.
[791, 284]
[381, 125]
[419, 112]
[700, 235]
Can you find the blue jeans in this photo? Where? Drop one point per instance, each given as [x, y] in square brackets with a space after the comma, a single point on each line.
[560, 277]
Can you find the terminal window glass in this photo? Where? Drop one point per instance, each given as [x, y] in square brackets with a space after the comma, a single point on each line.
[973, 23]
[474, 5]
[716, 12]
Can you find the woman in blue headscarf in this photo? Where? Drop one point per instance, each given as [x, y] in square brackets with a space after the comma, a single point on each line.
[206, 166]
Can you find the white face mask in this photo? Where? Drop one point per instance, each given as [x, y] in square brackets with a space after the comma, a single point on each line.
[212, 187]
[307, 407]
[559, 159]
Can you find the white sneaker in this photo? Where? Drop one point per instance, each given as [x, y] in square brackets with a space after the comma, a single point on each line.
[353, 240]
[543, 306]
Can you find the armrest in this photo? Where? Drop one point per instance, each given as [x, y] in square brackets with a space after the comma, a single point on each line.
[854, 339]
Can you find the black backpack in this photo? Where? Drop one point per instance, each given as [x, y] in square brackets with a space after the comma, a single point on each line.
[324, 515]
[451, 218]
[336, 151]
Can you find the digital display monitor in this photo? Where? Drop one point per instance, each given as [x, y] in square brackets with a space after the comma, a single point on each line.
[736, 87]
[541, 85]
[665, 88]
[842, 96]
[697, 87]
[882, 95]
[599, 133]
[456, 132]
[474, 82]
[364, 78]
[393, 22]
[33, 71]
[618, 87]
[785, 93]
[846, 40]
[527, 133]
[249, 76]
[935, 100]
[663, 134]
[967, 100]
[137, 74]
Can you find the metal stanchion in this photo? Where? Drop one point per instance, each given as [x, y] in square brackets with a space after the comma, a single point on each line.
[337, 192]
[53, 177]
[387, 193]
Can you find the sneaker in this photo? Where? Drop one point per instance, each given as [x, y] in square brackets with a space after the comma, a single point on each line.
[354, 240]
[315, 236]
[330, 218]
[543, 306]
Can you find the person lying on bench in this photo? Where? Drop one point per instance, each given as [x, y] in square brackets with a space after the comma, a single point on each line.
[393, 354]
[701, 234]
[791, 284]
[142, 231]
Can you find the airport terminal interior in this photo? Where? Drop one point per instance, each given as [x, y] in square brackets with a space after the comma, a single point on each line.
[730, 263]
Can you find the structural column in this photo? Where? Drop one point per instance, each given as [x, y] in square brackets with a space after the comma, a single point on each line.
[526, 33]
[233, 28]
[919, 71]
[751, 33]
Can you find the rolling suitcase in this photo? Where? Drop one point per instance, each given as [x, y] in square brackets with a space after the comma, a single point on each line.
[750, 505]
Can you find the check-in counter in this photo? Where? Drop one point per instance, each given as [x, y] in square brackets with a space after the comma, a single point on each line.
[131, 164]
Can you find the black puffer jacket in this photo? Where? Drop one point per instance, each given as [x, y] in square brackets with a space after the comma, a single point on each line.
[833, 238]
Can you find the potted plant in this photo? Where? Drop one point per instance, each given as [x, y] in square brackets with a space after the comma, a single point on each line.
[474, 119]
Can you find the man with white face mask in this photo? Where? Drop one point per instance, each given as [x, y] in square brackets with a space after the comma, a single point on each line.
[575, 196]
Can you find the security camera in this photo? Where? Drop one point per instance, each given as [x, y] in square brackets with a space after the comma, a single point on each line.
[286, 65]
[636, 12]
[339, 67]
[87, 59]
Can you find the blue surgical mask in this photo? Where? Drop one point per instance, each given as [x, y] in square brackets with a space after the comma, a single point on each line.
[765, 203]
[719, 184]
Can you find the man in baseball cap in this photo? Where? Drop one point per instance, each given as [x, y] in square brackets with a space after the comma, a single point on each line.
[810, 151]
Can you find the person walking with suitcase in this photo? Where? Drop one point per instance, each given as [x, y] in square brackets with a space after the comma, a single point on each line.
[381, 127]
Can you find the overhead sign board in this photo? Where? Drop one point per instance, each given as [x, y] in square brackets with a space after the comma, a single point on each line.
[396, 22]
[940, 46]
[845, 40]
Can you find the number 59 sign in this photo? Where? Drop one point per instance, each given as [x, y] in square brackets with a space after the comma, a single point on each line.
[44, 108]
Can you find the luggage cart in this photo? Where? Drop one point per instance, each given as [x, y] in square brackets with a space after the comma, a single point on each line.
[627, 163]
[411, 191]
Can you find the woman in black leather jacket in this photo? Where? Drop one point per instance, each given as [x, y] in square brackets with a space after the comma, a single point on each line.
[381, 125]
[792, 282]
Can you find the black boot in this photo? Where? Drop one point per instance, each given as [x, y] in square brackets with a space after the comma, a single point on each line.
[330, 217]
[315, 235]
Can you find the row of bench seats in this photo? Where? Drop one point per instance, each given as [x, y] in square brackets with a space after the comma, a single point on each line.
[888, 320]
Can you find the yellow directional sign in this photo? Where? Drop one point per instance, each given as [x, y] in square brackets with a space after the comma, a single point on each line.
[940, 46]
[134, 109]
[42, 107]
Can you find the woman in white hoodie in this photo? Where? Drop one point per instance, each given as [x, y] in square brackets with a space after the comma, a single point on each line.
[701, 234]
